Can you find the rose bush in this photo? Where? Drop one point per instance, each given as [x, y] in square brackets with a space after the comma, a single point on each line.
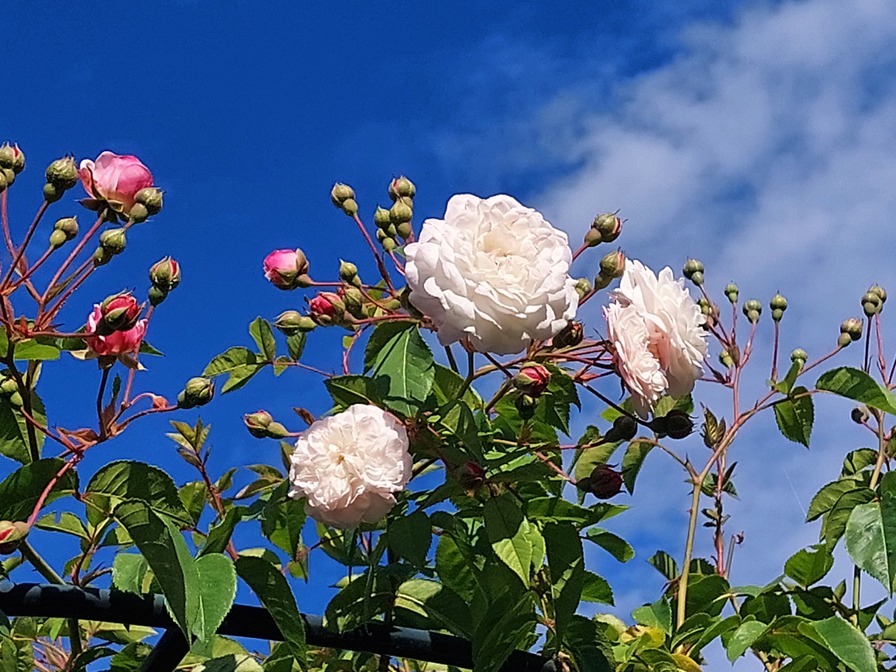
[115, 179]
[493, 273]
[348, 467]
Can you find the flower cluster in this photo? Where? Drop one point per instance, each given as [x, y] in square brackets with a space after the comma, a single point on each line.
[656, 331]
[348, 466]
[492, 273]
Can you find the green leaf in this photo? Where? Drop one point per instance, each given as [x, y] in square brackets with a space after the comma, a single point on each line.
[348, 390]
[129, 480]
[847, 643]
[809, 565]
[219, 535]
[665, 564]
[656, 615]
[272, 589]
[129, 572]
[65, 522]
[458, 421]
[14, 429]
[230, 359]
[240, 376]
[21, 490]
[632, 462]
[454, 566]
[447, 385]
[616, 546]
[786, 385]
[261, 332]
[295, 344]
[859, 386]
[871, 540]
[410, 537]
[217, 589]
[566, 564]
[397, 352]
[31, 350]
[440, 606]
[507, 530]
[165, 550]
[795, 416]
[743, 638]
[857, 460]
[825, 499]
[558, 397]
[596, 589]
[506, 625]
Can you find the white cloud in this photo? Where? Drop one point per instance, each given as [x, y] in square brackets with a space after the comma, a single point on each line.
[766, 148]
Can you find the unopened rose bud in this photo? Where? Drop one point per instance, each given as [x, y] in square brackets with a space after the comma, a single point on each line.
[19, 163]
[4, 183]
[16, 399]
[12, 158]
[101, 257]
[533, 379]
[880, 291]
[470, 476]
[871, 304]
[326, 308]
[859, 415]
[9, 174]
[354, 300]
[593, 238]
[608, 225]
[613, 264]
[165, 274]
[725, 359]
[51, 193]
[197, 392]
[113, 241]
[624, 429]
[675, 424]
[752, 310]
[731, 291]
[583, 287]
[605, 482]
[8, 386]
[799, 355]
[705, 305]
[156, 295]
[382, 218]
[287, 269]
[571, 335]
[343, 197]
[852, 328]
[401, 187]
[289, 322]
[389, 244]
[57, 239]
[12, 534]
[68, 226]
[257, 423]
[151, 198]
[404, 230]
[138, 213]
[693, 271]
[400, 213]
[63, 173]
[778, 304]
[525, 404]
[348, 272]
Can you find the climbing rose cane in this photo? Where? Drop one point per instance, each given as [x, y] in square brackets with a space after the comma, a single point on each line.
[348, 466]
[493, 272]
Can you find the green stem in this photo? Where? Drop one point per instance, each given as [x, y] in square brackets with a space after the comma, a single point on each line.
[32, 556]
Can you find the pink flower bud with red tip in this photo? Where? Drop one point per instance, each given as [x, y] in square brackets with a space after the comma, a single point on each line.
[326, 308]
[115, 179]
[533, 379]
[120, 312]
[287, 269]
[11, 535]
[108, 342]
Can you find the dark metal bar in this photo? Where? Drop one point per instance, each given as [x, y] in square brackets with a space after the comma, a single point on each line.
[52, 601]
[168, 653]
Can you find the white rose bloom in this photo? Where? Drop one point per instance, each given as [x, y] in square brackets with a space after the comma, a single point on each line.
[493, 272]
[348, 466]
[670, 333]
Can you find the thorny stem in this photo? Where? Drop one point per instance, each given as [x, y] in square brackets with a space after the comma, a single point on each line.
[32, 268]
[74, 253]
[548, 461]
[5, 219]
[32, 556]
[17, 258]
[376, 255]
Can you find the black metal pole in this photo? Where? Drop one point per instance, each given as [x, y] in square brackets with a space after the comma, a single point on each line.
[52, 601]
[168, 653]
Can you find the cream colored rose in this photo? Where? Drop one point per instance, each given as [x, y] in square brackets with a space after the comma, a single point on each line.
[492, 272]
[348, 466]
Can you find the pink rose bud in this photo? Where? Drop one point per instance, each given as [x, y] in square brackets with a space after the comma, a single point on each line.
[533, 379]
[116, 342]
[608, 226]
[115, 179]
[262, 425]
[165, 274]
[326, 308]
[12, 158]
[604, 482]
[120, 312]
[11, 535]
[286, 269]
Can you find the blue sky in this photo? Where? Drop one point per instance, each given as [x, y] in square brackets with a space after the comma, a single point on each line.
[756, 136]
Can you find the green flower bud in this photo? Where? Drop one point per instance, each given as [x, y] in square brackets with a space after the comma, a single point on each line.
[382, 217]
[261, 425]
[151, 199]
[404, 230]
[880, 291]
[348, 272]
[19, 164]
[57, 239]
[612, 265]
[16, 399]
[7, 155]
[871, 303]
[389, 244]
[101, 257]
[341, 193]
[68, 226]
[391, 231]
[608, 225]
[9, 174]
[51, 193]
[138, 213]
[113, 241]
[693, 271]
[400, 213]
[725, 359]
[354, 301]
[8, 386]
[799, 355]
[288, 322]
[401, 187]
[593, 238]
[752, 310]
[197, 392]
[63, 173]
[4, 183]
[731, 291]
[852, 328]
[583, 286]
[525, 404]
[165, 274]
[12, 534]
[843, 340]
